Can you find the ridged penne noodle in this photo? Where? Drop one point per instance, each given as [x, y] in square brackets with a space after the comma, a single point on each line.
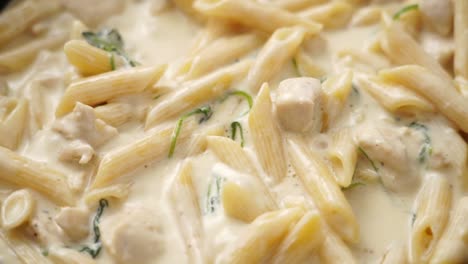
[187, 7]
[14, 122]
[116, 191]
[337, 89]
[184, 200]
[395, 254]
[373, 60]
[333, 14]
[17, 209]
[198, 142]
[251, 13]
[104, 87]
[303, 238]
[26, 251]
[461, 38]
[448, 100]
[20, 57]
[452, 245]
[221, 52]
[394, 98]
[77, 30]
[366, 16]
[196, 92]
[306, 65]
[60, 255]
[230, 153]
[114, 114]
[88, 60]
[152, 147]
[343, 156]
[402, 49]
[244, 197]
[278, 50]
[27, 173]
[214, 28]
[432, 211]
[333, 250]
[296, 5]
[24, 15]
[321, 186]
[266, 135]
[263, 236]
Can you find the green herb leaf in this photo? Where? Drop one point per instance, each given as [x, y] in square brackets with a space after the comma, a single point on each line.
[95, 248]
[243, 94]
[234, 126]
[405, 9]
[426, 148]
[213, 196]
[206, 113]
[45, 252]
[109, 40]
[112, 62]
[369, 159]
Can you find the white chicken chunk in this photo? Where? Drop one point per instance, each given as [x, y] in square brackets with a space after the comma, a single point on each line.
[385, 147]
[85, 133]
[299, 104]
[133, 236]
[438, 14]
[74, 222]
[94, 12]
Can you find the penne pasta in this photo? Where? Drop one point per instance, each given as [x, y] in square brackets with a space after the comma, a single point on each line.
[104, 87]
[152, 147]
[395, 254]
[251, 13]
[306, 66]
[27, 251]
[303, 238]
[343, 156]
[88, 60]
[219, 53]
[448, 101]
[321, 186]
[17, 209]
[13, 124]
[19, 58]
[395, 99]
[24, 15]
[333, 250]
[116, 191]
[333, 14]
[195, 93]
[184, 200]
[187, 7]
[114, 114]
[452, 245]
[296, 5]
[60, 255]
[244, 197]
[461, 38]
[27, 173]
[279, 49]
[268, 230]
[432, 211]
[402, 49]
[266, 135]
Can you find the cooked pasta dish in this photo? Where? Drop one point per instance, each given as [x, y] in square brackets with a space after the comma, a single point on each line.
[234, 131]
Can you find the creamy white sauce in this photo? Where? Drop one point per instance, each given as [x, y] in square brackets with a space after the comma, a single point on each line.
[384, 217]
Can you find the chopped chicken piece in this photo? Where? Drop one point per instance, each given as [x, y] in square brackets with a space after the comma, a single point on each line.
[133, 236]
[299, 104]
[74, 222]
[85, 132]
[386, 148]
[438, 14]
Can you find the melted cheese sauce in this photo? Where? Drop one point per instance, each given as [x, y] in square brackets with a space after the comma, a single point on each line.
[384, 215]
